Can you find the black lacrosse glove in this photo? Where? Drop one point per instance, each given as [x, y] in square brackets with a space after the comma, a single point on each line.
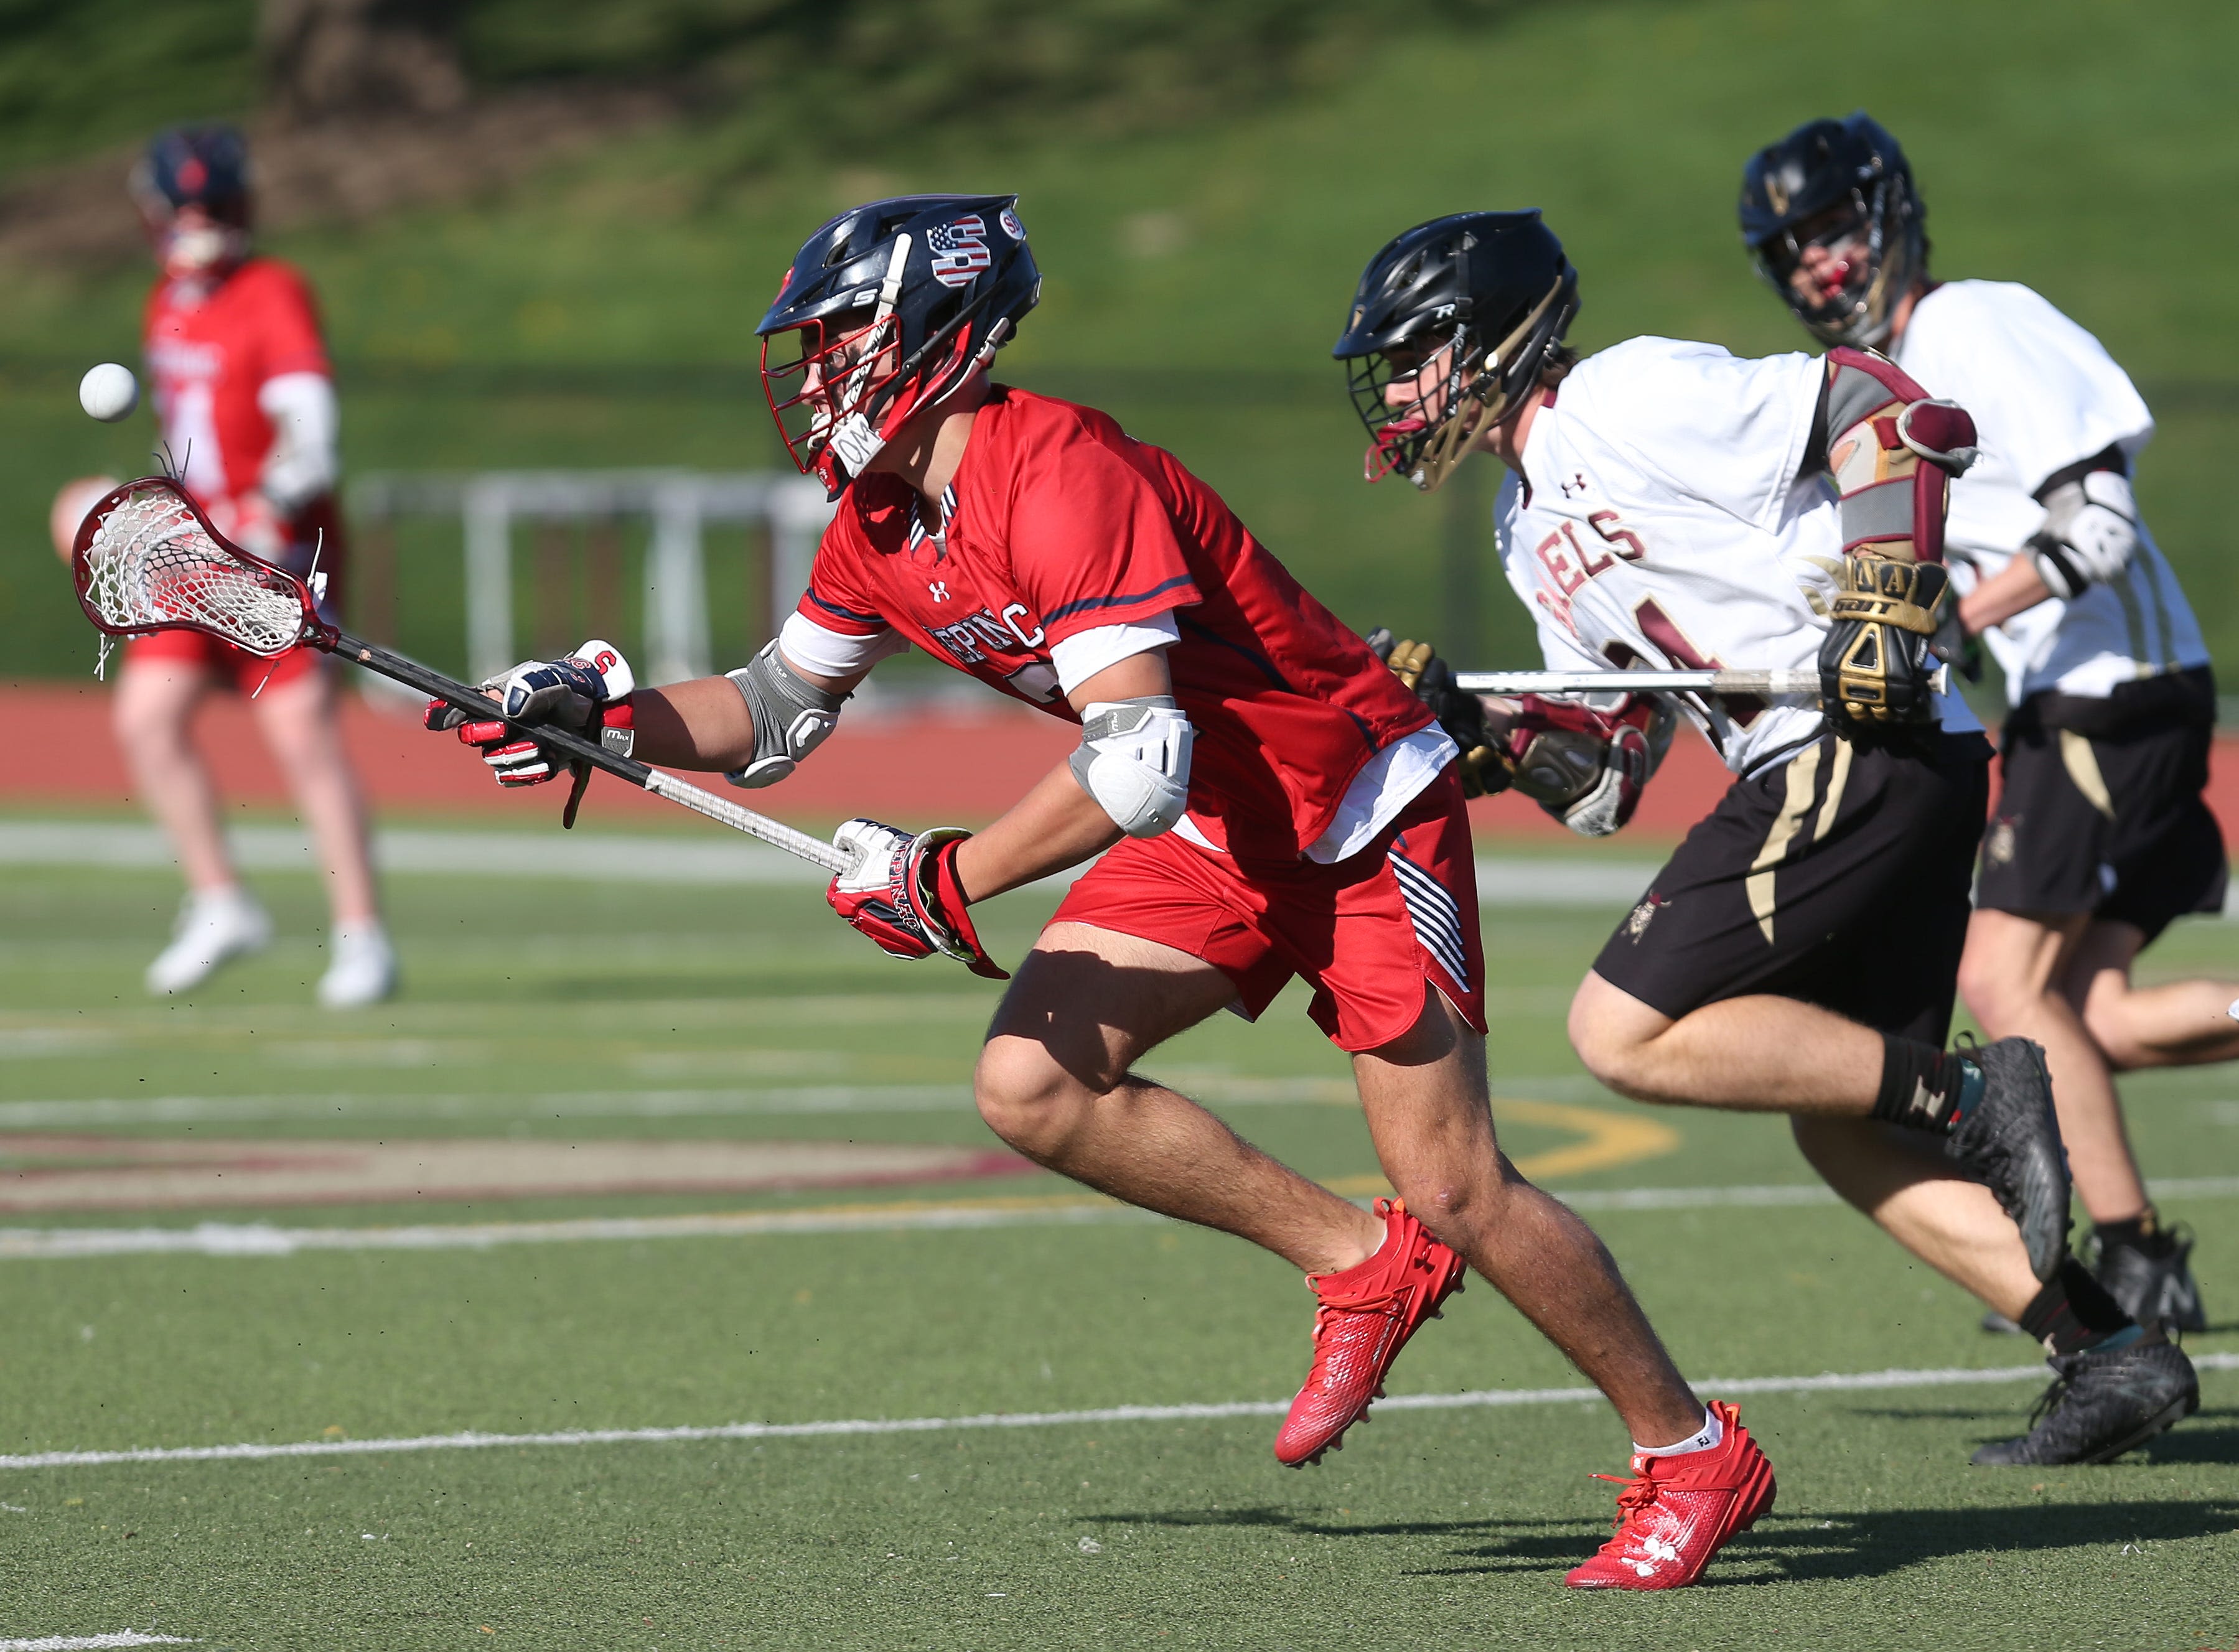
[1459, 713]
[1875, 664]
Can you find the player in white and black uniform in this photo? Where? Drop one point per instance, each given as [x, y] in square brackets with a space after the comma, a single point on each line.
[2101, 837]
[1671, 506]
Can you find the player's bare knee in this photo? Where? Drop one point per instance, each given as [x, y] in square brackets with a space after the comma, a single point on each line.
[1024, 1096]
[1453, 1200]
[148, 728]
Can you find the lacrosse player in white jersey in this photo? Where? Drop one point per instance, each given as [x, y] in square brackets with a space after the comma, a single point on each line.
[1669, 506]
[2101, 837]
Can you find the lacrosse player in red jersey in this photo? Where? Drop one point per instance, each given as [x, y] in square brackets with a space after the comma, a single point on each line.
[1669, 506]
[246, 400]
[1274, 801]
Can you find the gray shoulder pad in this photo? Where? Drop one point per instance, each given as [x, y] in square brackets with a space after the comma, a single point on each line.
[792, 717]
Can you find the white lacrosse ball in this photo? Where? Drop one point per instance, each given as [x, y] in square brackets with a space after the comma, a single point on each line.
[109, 392]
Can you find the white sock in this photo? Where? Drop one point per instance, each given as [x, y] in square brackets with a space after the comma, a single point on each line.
[366, 929]
[1712, 1434]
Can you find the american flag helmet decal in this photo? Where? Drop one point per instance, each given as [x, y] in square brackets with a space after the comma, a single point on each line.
[959, 249]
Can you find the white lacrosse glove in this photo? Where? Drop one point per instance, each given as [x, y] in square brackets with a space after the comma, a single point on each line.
[2090, 532]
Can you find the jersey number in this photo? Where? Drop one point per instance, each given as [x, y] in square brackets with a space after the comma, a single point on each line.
[1661, 629]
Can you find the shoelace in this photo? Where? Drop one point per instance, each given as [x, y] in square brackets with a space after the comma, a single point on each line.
[1386, 1303]
[1639, 1496]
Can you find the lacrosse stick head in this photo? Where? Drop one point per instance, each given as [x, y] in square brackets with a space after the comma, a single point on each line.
[146, 558]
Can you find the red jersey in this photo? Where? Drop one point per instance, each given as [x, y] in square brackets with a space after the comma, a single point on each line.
[1063, 523]
[209, 351]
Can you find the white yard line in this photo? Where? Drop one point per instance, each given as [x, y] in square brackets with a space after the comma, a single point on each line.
[73, 1643]
[265, 1239]
[1221, 1090]
[1826, 1382]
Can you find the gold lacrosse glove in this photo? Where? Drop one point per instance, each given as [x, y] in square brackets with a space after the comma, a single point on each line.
[1431, 679]
[1875, 667]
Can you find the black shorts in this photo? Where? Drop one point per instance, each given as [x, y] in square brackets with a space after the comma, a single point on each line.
[2109, 821]
[1839, 878]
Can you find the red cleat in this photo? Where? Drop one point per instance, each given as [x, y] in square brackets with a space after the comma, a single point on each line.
[1366, 1315]
[1675, 1513]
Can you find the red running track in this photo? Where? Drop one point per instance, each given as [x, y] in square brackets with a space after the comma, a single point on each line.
[919, 767]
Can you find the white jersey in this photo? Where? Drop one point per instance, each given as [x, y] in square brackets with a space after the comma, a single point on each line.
[1660, 520]
[2044, 395]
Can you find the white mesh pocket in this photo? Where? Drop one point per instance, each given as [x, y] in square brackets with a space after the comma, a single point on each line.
[151, 565]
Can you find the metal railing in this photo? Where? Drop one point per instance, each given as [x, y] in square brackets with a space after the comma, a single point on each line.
[678, 505]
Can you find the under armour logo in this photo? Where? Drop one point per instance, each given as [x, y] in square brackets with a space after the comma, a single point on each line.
[1575, 485]
[939, 589]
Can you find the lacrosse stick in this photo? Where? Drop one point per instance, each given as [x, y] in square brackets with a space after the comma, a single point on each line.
[1761, 685]
[1794, 683]
[146, 558]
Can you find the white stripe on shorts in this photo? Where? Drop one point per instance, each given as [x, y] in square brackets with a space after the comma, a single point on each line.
[1437, 919]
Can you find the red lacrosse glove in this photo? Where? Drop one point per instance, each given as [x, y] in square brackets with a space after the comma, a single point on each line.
[1587, 766]
[587, 693]
[903, 894]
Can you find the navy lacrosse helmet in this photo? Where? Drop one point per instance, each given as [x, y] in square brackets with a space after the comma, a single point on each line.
[1447, 332]
[1843, 186]
[885, 310]
[204, 165]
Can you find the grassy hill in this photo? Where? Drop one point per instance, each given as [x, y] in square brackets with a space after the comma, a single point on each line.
[1197, 273]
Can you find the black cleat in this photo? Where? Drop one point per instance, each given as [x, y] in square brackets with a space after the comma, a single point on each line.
[2011, 1140]
[2104, 1402]
[2155, 1290]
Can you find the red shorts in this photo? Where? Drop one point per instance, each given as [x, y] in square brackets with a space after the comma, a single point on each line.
[233, 667]
[1366, 932]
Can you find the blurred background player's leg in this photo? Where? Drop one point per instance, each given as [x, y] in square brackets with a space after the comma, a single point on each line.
[155, 708]
[2013, 976]
[302, 722]
[2064, 980]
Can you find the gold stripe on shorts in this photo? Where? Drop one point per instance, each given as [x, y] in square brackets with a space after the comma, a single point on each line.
[2082, 766]
[1837, 777]
[1803, 778]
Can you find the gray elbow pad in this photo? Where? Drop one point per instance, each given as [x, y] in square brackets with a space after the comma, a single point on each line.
[791, 716]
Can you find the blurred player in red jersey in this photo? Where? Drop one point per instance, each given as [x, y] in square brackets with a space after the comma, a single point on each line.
[246, 401]
[1269, 802]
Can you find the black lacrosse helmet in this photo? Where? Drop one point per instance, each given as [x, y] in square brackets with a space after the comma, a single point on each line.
[885, 310]
[1466, 307]
[1837, 184]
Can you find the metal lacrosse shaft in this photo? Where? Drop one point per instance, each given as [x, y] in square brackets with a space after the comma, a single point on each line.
[1802, 683]
[397, 667]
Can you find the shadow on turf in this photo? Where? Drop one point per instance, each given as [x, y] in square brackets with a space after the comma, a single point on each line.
[1783, 1547]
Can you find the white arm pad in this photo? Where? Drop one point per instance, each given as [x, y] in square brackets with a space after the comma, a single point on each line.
[1135, 760]
[2091, 531]
[306, 422]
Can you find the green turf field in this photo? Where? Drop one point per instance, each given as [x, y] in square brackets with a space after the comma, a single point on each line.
[542, 1010]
